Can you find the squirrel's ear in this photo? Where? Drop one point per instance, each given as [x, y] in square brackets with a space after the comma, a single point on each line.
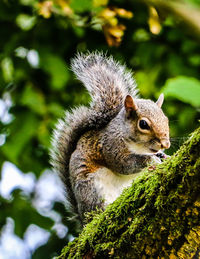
[160, 100]
[129, 104]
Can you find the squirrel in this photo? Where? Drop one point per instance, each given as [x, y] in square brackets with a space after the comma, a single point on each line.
[100, 149]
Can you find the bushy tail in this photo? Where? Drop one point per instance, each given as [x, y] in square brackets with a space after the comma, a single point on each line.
[106, 80]
[108, 83]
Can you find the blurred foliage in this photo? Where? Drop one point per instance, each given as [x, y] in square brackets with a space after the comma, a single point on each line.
[157, 39]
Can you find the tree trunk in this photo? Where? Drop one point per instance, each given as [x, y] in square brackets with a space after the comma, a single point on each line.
[158, 217]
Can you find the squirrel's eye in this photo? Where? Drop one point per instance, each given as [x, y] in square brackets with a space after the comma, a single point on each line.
[144, 125]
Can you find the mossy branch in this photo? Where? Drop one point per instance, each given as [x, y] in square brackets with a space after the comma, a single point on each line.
[158, 217]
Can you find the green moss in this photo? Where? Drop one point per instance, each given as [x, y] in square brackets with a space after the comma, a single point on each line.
[152, 213]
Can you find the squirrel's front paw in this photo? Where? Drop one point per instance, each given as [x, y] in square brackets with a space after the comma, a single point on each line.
[162, 155]
[155, 160]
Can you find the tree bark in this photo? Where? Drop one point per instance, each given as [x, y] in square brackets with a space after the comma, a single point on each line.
[157, 217]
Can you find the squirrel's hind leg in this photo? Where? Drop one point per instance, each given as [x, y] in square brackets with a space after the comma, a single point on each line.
[82, 176]
[87, 196]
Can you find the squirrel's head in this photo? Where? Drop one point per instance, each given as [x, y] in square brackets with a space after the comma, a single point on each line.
[148, 125]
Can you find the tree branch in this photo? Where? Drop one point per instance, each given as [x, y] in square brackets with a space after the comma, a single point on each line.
[158, 217]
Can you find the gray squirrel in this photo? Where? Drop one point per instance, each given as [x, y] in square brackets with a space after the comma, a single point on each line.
[99, 150]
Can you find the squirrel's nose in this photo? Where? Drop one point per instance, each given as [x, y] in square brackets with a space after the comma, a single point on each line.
[165, 143]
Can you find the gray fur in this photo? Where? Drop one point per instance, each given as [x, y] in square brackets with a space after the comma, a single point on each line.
[105, 135]
[108, 83]
[104, 78]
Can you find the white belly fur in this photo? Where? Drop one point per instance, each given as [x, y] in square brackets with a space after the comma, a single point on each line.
[110, 185]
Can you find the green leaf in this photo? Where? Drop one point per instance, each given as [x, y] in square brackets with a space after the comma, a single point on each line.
[81, 5]
[194, 60]
[55, 109]
[23, 128]
[28, 2]
[186, 89]
[33, 99]
[7, 69]
[146, 82]
[57, 69]
[25, 22]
